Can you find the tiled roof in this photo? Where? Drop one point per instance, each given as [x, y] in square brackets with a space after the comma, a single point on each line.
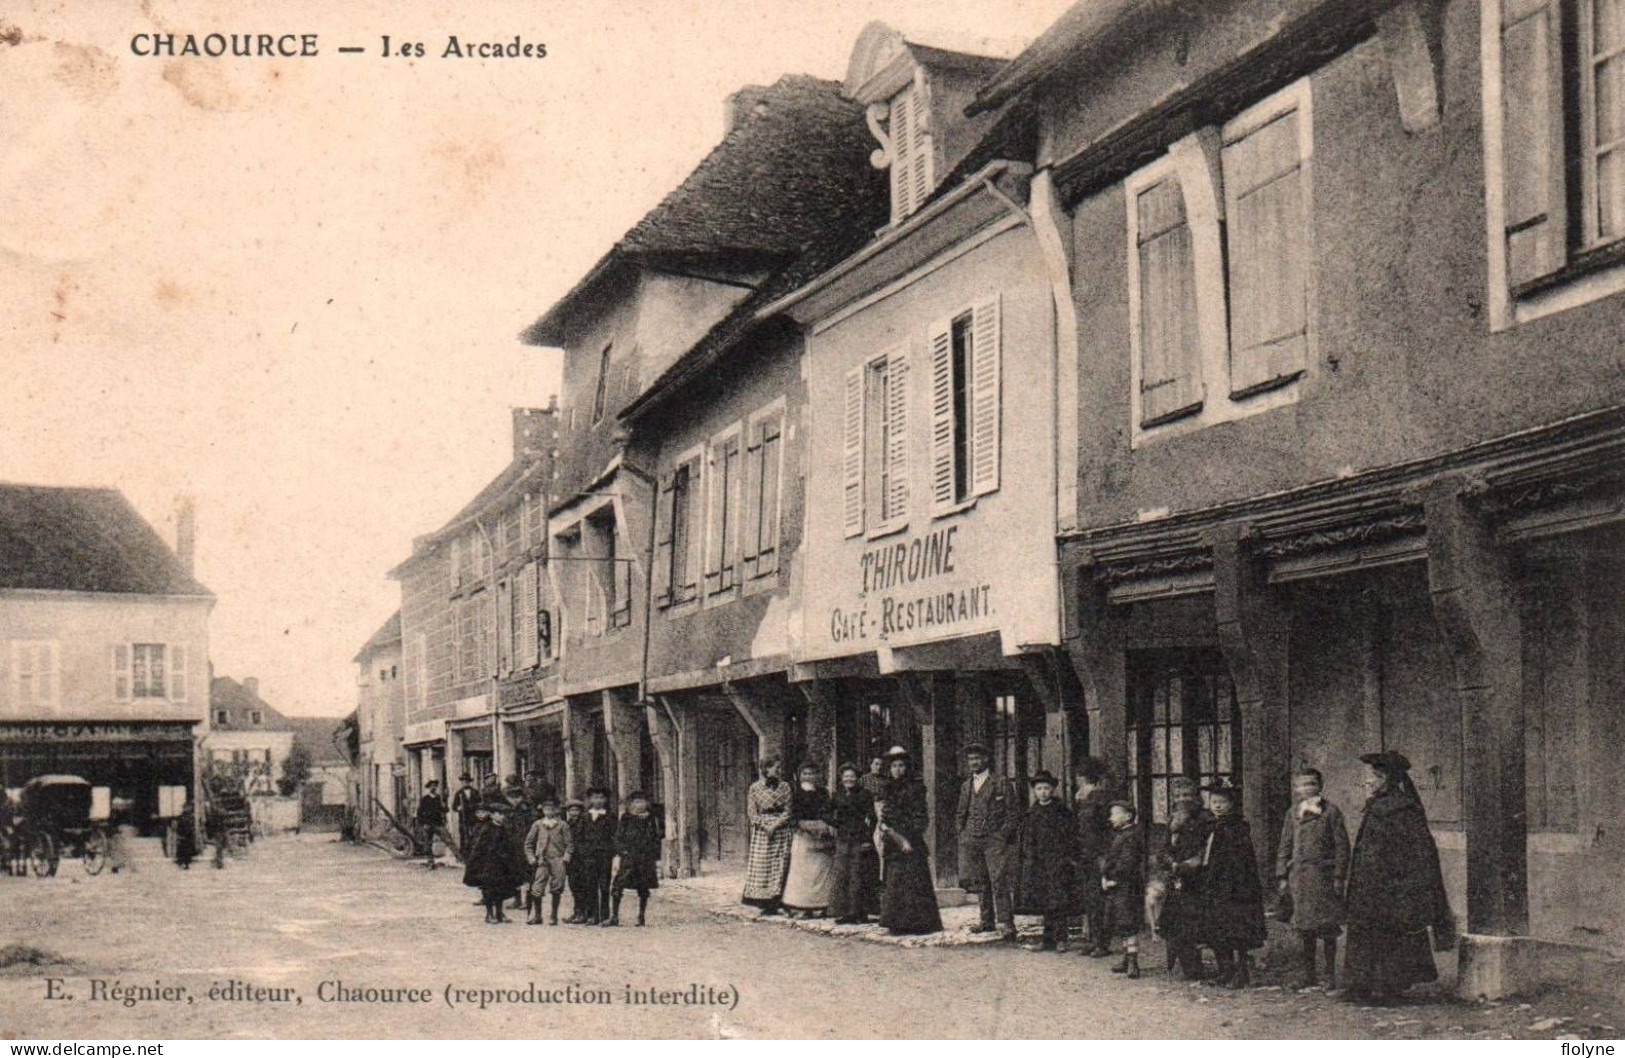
[238, 701]
[388, 633]
[70, 539]
[791, 166]
[316, 734]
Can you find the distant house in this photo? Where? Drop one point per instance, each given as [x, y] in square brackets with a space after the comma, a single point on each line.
[248, 737]
[323, 796]
[104, 646]
[380, 721]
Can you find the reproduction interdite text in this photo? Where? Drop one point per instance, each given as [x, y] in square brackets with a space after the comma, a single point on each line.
[482, 997]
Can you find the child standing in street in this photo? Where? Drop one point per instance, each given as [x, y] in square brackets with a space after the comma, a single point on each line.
[1232, 899]
[595, 848]
[1122, 879]
[1311, 869]
[490, 867]
[637, 856]
[575, 817]
[1049, 863]
[547, 849]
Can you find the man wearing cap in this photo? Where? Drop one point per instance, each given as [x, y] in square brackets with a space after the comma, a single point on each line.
[988, 819]
[431, 821]
[464, 803]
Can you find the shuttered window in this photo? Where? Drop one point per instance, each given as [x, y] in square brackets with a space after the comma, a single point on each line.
[665, 537]
[1169, 334]
[763, 472]
[177, 672]
[525, 640]
[911, 162]
[505, 627]
[600, 398]
[1267, 213]
[147, 671]
[679, 535]
[722, 532]
[1532, 94]
[966, 406]
[468, 640]
[121, 672]
[1601, 63]
[885, 419]
[852, 454]
[35, 674]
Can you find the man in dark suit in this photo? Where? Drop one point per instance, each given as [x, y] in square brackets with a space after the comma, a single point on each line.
[988, 820]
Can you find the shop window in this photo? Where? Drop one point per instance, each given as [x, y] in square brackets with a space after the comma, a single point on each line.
[1182, 722]
[1016, 735]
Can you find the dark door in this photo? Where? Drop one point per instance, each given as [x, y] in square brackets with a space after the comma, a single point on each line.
[726, 749]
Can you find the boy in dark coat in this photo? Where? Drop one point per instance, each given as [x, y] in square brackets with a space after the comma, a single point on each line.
[1311, 866]
[1122, 880]
[1232, 899]
[491, 868]
[1049, 874]
[637, 856]
[575, 817]
[595, 851]
[1094, 835]
[1395, 890]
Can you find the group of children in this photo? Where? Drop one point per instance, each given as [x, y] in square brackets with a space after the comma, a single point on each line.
[1198, 888]
[585, 848]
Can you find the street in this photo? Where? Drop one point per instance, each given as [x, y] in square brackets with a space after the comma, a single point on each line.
[305, 937]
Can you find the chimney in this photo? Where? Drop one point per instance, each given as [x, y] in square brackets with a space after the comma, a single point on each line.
[742, 104]
[186, 533]
[251, 684]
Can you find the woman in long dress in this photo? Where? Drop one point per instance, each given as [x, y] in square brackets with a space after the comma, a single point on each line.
[855, 872]
[1395, 888]
[910, 901]
[808, 885]
[767, 808]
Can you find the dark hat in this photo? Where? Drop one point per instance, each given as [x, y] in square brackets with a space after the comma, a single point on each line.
[465, 777]
[637, 795]
[432, 782]
[1043, 777]
[575, 802]
[977, 747]
[1388, 760]
[554, 801]
[1224, 787]
[599, 790]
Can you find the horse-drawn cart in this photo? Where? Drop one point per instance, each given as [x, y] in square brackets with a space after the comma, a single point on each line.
[52, 820]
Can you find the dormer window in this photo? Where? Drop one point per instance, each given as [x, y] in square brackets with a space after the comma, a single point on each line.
[909, 130]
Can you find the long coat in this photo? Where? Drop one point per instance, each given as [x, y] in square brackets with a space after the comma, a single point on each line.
[637, 843]
[1094, 836]
[910, 901]
[1180, 859]
[855, 886]
[1049, 861]
[1232, 900]
[1124, 865]
[1313, 859]
[1395, 892]
[491, 866]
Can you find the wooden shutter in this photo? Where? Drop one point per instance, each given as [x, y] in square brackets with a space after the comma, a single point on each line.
[664, 527]
[1170, 339]
[1532, 138]
[896, 498]
[919, 149]
[852, 455]
[767, 547]
[986, 403]
[455, 557]
[750, 507]
[525, 607]
[902, 159]
[942, 416]
[696, 523]
[723, 502]
[505, 597]
[177, 673]
[121, 672]
[1266, 205]
[49, 678]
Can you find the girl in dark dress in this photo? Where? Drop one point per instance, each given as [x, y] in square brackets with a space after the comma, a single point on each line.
[186, 837]
[1049, 864]
[491, 868]
[855, 870]
[1179, 865]
[1232, 898]
[1395, 888]
[910, 901]
[637, 856]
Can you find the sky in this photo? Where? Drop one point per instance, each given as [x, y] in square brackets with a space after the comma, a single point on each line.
[292, 288]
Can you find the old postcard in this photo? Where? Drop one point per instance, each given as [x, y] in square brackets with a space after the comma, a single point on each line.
[856, 519]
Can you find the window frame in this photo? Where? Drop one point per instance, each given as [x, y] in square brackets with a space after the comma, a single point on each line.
[880, 373]
[1196, 162]
[600, 396]
[731, 511]
[777, 409]
[51, 651]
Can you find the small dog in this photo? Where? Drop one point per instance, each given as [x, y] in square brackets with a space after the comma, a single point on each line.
[1156, 894]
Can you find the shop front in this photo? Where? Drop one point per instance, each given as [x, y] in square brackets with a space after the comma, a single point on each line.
[133, 760]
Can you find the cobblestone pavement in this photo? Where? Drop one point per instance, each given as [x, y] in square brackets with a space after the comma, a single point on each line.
[297, 912]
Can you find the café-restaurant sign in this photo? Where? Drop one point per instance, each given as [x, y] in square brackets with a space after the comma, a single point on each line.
[914, 589]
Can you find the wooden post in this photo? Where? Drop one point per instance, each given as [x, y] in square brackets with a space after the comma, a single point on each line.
[577, 731]
[764, 718]
[1476, 605]
[930, 699]
[820, 728]
[679, 827]
[1254, 626]
[622, 718]
[1096, 651]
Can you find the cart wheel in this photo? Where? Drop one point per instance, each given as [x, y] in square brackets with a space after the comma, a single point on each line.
[95, 854]
[42, 856]
[401, 844]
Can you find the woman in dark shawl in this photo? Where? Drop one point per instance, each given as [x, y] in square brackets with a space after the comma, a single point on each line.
[855, 873]
[910, 901]
[491, 867]
[1395, 888]
[1232, 896]
[1178, 866]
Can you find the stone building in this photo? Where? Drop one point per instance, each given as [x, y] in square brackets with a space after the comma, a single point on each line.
[380, 718]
